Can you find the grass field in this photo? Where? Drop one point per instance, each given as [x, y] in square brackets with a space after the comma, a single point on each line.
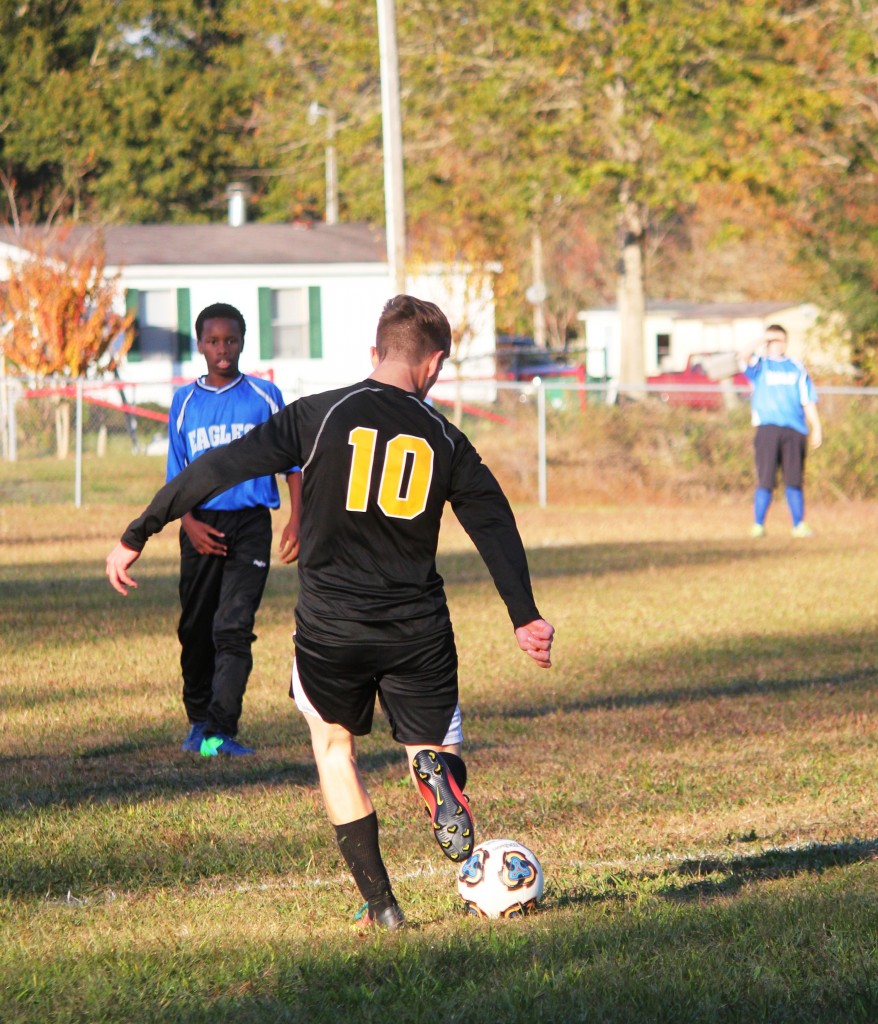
[697, 774]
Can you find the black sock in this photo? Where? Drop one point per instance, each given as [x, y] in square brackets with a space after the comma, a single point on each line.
[457, 767]
[358, 842]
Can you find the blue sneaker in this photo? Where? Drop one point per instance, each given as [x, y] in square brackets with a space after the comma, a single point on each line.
[219, 744]
[390, 917]
[192, 743]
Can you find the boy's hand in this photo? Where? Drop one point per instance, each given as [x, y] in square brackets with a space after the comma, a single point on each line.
[119, 561]
[535, 639]
[289, 543]
[203, 536]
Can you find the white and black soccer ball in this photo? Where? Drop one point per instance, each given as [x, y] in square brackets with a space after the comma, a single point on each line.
[501, 878]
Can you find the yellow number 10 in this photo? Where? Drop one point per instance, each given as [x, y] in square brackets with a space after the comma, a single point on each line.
[401, 451]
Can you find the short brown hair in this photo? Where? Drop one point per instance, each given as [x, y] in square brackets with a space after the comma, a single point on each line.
[412, 329]
[777, 328]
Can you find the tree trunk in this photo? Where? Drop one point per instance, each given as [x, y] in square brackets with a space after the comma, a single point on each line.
[631, 282]
[62, 429]
[631, 298]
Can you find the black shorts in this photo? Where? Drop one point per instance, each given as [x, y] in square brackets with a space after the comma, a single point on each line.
[779, 446]
[416, 684]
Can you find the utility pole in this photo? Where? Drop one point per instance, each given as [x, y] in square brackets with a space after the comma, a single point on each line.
[391, 119]
[540, 288]
[536, 293]
[315, 111]
[331, 171]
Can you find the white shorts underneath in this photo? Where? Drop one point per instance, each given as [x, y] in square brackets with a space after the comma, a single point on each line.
[455, 728]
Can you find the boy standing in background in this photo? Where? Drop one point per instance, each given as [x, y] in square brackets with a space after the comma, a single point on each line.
[784, 405]
[225, 543]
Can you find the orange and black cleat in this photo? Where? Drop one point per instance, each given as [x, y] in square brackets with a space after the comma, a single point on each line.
[448, 807]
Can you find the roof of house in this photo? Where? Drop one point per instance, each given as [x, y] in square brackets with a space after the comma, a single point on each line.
[731, 310]
[215, 244]
[683, 310]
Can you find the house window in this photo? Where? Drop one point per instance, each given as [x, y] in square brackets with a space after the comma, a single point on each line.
[289, 323]
[662, 348]
[162, 323]
[157, 324]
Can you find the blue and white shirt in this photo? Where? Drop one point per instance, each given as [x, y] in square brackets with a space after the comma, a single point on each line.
[781, 389]
[203, 417]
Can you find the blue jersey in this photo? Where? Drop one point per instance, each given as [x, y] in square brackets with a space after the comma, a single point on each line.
[781, 389]
[203, 417]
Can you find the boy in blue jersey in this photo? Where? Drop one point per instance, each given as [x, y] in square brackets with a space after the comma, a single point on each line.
[784, 405]
[225, 543]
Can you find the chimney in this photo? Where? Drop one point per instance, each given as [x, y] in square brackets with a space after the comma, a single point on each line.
[237, 194]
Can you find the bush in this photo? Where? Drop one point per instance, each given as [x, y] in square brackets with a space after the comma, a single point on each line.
[649, 448]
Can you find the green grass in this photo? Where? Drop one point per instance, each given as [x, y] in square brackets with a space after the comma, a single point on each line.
[696, 773]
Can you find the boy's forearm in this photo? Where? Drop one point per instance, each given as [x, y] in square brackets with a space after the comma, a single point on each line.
[746, 353]
[294, 486]
[812, 416]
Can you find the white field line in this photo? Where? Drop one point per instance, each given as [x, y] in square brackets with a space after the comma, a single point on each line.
[295, 883]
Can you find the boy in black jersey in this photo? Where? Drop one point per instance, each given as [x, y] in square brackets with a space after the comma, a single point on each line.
[378, 466]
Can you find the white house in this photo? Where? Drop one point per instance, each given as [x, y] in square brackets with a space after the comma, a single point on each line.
[310, 294]
[674, 330]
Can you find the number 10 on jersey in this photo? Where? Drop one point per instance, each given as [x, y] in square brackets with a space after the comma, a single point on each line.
[403, 452]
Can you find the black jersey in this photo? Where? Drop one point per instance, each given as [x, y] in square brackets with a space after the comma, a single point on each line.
[378, 466]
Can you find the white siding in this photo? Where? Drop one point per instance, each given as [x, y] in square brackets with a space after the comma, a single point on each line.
[352, 297]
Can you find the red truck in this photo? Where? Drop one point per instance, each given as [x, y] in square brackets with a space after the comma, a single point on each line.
[709, 390]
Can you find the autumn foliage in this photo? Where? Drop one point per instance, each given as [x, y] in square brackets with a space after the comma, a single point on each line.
[58, 308]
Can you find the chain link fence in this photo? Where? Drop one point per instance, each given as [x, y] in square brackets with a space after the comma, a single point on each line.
[548, 440]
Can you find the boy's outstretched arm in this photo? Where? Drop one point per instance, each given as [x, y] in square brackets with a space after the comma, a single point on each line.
[289, 538]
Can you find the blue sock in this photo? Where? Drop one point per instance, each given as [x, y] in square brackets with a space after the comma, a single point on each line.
[761, 501]
[796, 502]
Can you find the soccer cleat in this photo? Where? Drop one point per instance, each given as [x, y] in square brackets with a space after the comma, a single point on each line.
[389, 917]
[757, 530]
[448, 807]
[192, 743]
[219, 744]
[802, 530]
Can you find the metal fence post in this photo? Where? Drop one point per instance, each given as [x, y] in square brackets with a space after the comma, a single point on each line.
[77, 499]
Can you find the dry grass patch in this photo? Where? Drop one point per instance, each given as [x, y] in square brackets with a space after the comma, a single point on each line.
[696, 773]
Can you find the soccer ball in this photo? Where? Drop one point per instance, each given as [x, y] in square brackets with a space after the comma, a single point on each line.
[502, 878]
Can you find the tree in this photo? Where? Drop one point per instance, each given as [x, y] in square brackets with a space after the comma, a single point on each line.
[832, 199]
[48, 67]
[59, 308]
[676, 94]
[298, 53]
[59, 316]
[131, 111]
[513, 110]
[520, 120]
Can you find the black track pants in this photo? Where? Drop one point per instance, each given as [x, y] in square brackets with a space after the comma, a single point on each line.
[219, 596]
[779, 446]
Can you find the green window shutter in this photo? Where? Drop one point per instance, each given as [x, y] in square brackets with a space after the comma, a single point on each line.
[132, 305]
[184, 324]
[266, 335]
[315, 323]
